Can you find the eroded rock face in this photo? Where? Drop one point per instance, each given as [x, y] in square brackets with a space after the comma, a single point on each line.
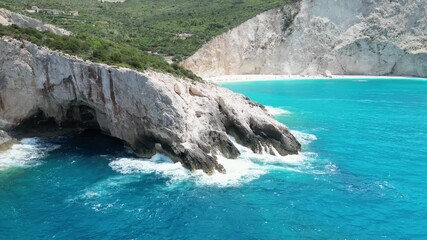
[150, 111]
[345, 37]
[8, 18]
[5, 141]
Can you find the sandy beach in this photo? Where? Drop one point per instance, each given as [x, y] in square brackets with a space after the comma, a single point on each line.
[251, 78]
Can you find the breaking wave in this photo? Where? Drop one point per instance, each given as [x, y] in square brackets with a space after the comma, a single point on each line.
[304, 138]
[246, 168]
[25, 154]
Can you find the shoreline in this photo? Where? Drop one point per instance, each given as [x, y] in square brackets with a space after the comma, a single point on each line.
[6, 142]
[261, 77]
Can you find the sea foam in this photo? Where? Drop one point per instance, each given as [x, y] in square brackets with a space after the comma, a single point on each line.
[246, 168]
[304, 138]
[25, 154]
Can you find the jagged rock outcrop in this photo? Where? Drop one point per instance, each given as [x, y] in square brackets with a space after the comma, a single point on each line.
[308, 37]
[8, 18]
[150, 111]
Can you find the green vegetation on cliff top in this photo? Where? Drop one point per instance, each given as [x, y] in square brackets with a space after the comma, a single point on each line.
[97, 50]
[174, 28]
[139, 34]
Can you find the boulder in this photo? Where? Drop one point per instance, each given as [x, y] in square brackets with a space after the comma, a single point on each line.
[195, 91]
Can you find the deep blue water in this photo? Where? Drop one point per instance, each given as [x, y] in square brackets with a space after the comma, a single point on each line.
[361, 176]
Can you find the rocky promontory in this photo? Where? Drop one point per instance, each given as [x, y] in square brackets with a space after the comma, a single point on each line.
[152, 112]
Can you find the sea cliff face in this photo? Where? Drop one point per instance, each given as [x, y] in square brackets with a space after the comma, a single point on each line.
[152, 112]
[309, 37]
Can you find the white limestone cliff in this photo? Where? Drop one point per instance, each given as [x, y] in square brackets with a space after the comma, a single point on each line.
[310, 37]
[152, 112]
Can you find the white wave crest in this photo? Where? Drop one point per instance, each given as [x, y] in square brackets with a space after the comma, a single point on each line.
[25, 154]
[159, 164]
[246, 168]
[238, 171]
[304, 138]
[276, 111]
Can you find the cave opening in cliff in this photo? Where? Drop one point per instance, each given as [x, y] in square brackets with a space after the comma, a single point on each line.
[80, 116]
[77, 118]
[79, 125]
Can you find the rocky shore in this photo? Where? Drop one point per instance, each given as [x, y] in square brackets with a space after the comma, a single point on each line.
[151, 111]
[5, 141]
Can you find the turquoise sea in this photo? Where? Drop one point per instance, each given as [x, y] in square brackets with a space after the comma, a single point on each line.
[362, 175]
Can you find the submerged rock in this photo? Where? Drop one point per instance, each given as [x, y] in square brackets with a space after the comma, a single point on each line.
[150, 111]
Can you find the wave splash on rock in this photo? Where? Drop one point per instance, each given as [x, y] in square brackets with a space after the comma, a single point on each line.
[27, 153]
[247, 167]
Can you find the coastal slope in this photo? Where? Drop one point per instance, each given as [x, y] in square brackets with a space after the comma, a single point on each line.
[152, 112]
[358, 37]
[8, 18]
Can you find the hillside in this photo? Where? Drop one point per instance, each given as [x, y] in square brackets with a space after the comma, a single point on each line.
[97, 50]
[174, 28]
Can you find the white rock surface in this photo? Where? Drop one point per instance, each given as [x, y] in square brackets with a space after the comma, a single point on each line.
[5, 140]
[149, 110]
[346, 37]
[8, 18]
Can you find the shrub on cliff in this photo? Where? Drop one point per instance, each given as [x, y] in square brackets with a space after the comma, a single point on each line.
[174, 28]
[97, 50]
